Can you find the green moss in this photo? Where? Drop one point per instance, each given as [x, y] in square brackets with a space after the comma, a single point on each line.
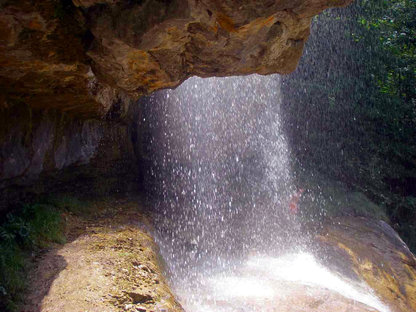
[69, 203]
[45, 224]
[12, 278]
[34, 227]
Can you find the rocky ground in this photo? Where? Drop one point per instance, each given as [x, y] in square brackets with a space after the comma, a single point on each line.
[371, 251]
[110, 263]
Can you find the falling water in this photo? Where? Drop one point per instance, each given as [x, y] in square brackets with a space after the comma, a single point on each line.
[220, 173]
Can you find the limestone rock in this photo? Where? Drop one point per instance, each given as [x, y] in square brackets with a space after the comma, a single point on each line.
[94, 270]
[371, 251]
[138, 297]
[64, 65]
[86, 55]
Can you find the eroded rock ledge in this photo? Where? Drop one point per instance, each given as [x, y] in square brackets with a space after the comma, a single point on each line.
[371, 251]
[85, 56]
[111, 263]
[71, 71]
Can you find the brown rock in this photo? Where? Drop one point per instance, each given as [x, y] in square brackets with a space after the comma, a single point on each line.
[88, 273]
[372, 251]
[138, 297]
[85, 56]
[64, 65]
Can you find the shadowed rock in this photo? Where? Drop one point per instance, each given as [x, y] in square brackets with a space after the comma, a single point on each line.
[66, 64]
[84, 56]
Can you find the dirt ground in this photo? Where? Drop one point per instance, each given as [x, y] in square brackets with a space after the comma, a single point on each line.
[110, 263]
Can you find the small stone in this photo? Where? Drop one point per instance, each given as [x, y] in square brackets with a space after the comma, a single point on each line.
[139, 298]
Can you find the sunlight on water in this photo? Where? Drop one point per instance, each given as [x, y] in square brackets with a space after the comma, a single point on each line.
[222, 182]
[263, 282]
[221, 170]
[243, 287]
[304, 269]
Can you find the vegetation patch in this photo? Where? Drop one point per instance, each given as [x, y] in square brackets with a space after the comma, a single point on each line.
[71, 204]
[351, 116]
[22, 235]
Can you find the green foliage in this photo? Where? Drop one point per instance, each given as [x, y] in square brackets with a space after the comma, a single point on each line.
[11, 273]
[34, 227]
[351, 106]
[406, 227]
[68, 203]
[71, 204]
[45, 224]
[390, 28]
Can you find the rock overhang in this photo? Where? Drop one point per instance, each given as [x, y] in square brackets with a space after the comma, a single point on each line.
[82, 56]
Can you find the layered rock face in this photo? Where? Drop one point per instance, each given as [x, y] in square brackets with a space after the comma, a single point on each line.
[86, 55]
[48, 150]
[70, 70]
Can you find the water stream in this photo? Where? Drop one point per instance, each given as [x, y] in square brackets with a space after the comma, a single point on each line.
[220, 172]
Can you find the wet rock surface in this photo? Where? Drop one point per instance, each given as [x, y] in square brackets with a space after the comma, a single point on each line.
[371, 251]
[294, 298]
[111, 263]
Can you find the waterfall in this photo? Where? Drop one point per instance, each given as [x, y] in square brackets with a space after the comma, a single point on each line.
[223, 164]
[220, 175]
